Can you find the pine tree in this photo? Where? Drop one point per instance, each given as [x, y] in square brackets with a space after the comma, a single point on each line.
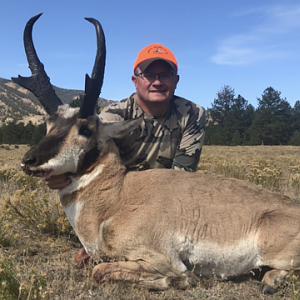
[272, 122]
[27, 133]
[222, 104]
[229, 119]
[38, 134]
[295, 139]
[218, 131]
[239, 119]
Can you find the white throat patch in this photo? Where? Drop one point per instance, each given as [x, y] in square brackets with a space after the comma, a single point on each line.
[73, 211]
[81, 182]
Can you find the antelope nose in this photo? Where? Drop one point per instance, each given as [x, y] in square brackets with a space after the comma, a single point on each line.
[29, 161]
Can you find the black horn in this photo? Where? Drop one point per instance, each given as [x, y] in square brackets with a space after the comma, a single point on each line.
[93, 84]
[39, 83]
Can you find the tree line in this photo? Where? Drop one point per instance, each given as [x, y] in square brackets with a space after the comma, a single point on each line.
[16, 132]
[230, 121]
[19, 133]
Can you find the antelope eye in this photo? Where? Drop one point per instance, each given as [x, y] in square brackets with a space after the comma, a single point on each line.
[85, 131]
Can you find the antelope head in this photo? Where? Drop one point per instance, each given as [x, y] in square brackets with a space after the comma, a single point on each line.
[75, 136]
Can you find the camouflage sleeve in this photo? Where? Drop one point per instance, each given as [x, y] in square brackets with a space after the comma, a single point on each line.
[187, 155]
[112, 113]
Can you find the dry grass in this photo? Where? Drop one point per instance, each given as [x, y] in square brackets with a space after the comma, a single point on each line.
[37, 246]
[276, 168]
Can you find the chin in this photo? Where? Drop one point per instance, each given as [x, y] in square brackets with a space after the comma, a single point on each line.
[158, 98]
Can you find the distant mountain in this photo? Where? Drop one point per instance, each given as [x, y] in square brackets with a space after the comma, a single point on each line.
[18, 104]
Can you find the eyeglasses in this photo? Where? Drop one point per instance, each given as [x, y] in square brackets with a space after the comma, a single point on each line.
[164, 76]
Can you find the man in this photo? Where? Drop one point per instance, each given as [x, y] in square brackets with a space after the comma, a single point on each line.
[172, 133]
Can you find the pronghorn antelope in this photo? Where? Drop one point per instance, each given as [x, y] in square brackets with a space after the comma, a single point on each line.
[160, 228]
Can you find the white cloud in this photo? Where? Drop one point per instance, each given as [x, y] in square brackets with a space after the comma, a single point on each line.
[275, 37]
[248, 11]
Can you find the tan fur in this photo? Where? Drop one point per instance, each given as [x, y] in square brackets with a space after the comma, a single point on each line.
[145, 210]
[162, 227]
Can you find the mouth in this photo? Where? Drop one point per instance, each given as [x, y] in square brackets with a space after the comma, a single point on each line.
[36, 172]
[158, 91]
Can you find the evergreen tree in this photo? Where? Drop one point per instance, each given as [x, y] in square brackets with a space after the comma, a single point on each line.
[12, 132]
[272, 122]
[229, 119]
[236, 139]
[38, 134]
[27, 133]
[18, 133]
[239, 119]
[295, 139]
[77, 101]
[213, 136]
[222, 104]
[218, 131]
[248, 117]
[296, 116]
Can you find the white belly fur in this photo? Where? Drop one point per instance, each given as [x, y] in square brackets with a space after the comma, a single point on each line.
[73, 211]
[208, 258]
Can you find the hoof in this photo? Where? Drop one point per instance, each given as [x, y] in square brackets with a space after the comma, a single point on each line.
[185, 280]
[81, 257]
[98, 276]
[267, 289]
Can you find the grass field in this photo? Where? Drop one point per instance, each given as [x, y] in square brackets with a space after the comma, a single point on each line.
[37, 245]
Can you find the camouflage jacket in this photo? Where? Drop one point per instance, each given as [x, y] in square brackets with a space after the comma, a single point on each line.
[173, 140]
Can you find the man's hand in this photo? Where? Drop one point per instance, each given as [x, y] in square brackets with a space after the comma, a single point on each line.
[58, 182]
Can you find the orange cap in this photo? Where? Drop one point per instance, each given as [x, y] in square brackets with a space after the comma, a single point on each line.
[154, 52]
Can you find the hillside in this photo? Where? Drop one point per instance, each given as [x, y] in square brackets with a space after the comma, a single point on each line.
[18, 104]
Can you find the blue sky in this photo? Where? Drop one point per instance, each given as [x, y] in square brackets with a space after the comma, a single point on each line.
[248, 45]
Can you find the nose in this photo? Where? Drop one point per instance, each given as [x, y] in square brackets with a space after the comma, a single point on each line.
[157, 79]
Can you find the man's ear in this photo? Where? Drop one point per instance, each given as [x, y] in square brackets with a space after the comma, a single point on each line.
[176, 80]
[134, 80]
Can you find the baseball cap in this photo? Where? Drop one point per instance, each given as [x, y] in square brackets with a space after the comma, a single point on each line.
[152, 53]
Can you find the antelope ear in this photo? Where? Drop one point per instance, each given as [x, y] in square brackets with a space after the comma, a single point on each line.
[121, 129]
